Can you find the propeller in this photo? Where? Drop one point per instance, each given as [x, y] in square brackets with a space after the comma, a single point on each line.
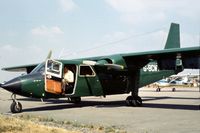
[49, 55]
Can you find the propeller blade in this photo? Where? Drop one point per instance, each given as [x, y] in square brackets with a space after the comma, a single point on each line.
[49, 55]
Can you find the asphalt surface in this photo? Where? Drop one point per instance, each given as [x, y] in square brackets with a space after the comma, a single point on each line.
[162, 112]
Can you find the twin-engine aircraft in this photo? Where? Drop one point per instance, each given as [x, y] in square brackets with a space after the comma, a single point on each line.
[103, 75]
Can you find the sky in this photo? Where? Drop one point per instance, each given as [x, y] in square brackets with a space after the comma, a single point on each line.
[82, 28]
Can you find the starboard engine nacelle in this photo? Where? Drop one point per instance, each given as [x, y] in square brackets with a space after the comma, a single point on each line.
[115, 62]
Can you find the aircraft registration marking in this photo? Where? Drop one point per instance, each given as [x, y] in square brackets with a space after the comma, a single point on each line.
[151, 68]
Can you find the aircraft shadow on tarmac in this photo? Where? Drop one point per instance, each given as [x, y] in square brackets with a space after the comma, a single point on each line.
[52, 104]
[170, 90]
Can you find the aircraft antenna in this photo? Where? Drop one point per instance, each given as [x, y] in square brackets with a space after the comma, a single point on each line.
[117, 41]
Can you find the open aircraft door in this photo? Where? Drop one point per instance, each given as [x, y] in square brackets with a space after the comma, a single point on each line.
[53, 76]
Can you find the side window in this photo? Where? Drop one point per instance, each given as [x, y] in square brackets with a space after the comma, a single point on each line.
[86, 71]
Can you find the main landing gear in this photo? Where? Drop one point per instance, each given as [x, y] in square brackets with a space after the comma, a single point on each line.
[15, 107]
[134, 100]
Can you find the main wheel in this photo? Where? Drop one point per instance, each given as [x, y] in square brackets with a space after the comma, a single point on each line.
[75, 99]
[16, 107]
[137, 101]
[134, 101]
[173, 89]
[129, 101]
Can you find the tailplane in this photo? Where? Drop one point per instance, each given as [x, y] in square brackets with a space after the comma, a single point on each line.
[173, 39]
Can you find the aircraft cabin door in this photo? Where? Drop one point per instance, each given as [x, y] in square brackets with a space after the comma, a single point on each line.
[88, 80]
[53, 76]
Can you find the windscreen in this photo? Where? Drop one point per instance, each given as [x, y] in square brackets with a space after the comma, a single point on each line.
[39, 69]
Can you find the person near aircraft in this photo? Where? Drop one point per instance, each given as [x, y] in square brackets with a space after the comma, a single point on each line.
[68, 78]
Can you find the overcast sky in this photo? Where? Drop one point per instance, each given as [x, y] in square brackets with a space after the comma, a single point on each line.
[80, 28]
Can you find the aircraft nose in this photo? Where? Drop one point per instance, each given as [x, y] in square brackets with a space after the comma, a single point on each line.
[13, 85]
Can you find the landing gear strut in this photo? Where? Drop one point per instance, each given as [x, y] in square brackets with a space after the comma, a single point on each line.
[158, 89]
[15, 107]
[134, 99]
[75, 100]
[173, 89]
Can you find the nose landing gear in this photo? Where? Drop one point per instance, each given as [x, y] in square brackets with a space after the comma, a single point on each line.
[15, 107]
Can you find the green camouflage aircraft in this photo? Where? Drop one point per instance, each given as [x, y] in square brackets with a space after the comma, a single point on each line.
[104, 75]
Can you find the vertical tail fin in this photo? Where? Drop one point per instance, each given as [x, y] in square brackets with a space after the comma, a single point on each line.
[173, 39]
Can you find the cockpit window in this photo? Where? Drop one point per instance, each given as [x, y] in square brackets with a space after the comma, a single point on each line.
[86, 71]
[39, 69]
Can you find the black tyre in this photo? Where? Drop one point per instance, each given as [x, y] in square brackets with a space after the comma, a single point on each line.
[173, 89]
[134, 101]
[137, 101]
[129, 101]
[16, 107]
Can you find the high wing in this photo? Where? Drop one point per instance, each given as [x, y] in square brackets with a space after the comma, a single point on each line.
[167, 59]
[24, 68]
[171, 58]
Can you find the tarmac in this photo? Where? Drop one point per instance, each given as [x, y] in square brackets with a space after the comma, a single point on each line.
[162, 112]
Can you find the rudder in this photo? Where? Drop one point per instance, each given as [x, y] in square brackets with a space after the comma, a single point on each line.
[173, 39]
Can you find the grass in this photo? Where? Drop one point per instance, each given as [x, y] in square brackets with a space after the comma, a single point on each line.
[32, 124]
[10, 124]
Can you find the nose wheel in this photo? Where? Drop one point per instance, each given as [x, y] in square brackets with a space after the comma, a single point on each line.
[15, 107]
